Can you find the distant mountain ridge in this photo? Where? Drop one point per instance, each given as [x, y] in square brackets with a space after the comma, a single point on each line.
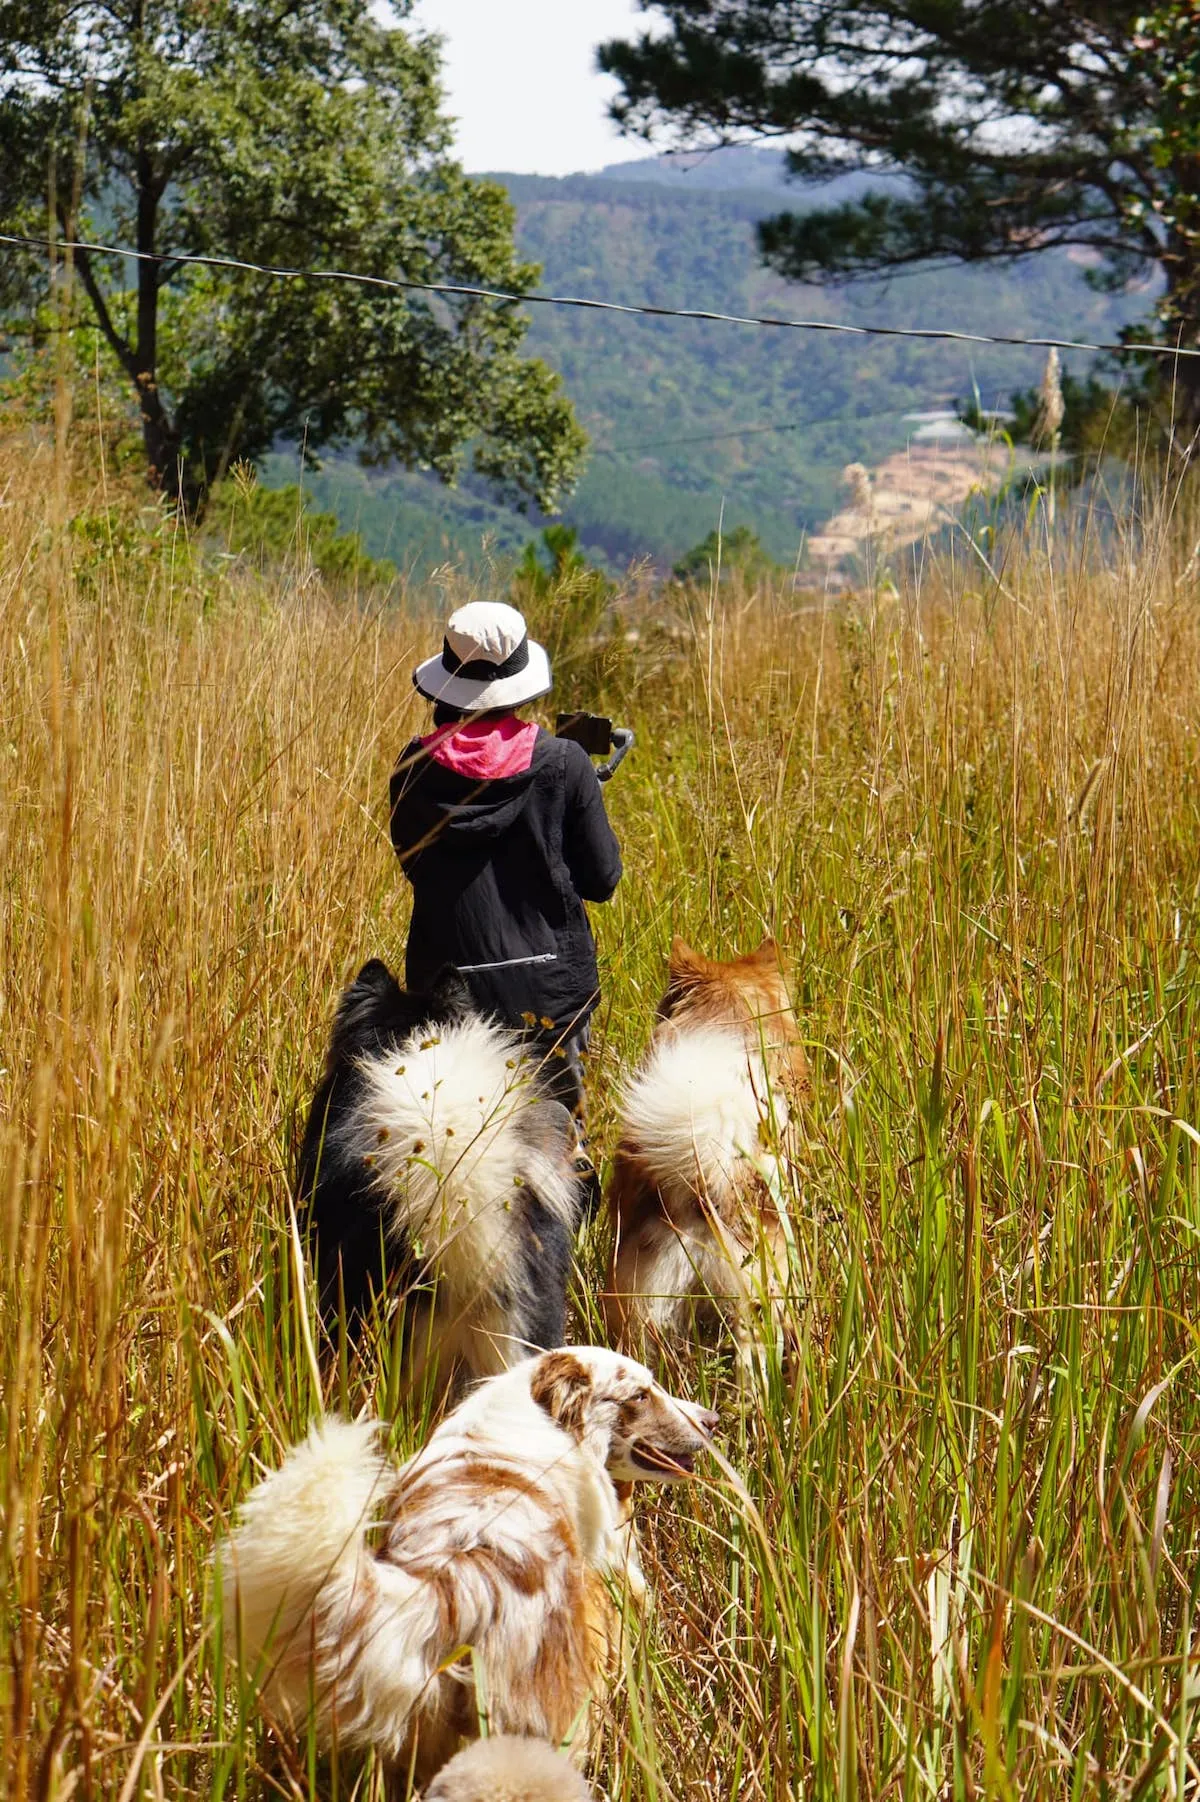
[689, 419]
[726, 168]
[731, 168]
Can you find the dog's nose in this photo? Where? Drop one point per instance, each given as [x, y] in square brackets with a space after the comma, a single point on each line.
[709, 1420]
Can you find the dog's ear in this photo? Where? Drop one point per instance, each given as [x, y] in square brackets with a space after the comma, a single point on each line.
[685, 965]
[561, 1385]
[367, 1009]
[686, 970]
[766, 956]
[450, 994]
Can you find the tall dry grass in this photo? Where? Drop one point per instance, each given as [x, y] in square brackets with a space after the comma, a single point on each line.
[954, 1550]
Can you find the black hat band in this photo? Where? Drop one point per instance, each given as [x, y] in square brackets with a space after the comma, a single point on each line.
[482, 669]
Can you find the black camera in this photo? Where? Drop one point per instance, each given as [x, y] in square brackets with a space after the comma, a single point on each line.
[598, 736]
[591, 730]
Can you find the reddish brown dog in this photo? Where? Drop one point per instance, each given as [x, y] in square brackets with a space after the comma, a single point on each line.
[701, 1181]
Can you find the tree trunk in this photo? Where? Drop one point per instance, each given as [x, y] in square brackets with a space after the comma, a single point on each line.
[1181, 375]
[1186, 376]
[1180, 378]
[159, 436]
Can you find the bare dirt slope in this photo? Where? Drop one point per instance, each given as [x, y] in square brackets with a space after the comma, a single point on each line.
[909, 495]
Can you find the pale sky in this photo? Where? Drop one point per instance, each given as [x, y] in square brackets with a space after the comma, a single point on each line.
[521, 81]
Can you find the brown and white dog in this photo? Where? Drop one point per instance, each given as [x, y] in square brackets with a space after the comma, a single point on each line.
[700, 1181]
[395, 1606]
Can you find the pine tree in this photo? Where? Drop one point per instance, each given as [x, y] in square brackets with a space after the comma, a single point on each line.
[1013, 126]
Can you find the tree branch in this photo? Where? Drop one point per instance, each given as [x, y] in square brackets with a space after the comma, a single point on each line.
[119, 345]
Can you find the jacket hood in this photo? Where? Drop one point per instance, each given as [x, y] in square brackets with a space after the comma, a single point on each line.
[453, 806]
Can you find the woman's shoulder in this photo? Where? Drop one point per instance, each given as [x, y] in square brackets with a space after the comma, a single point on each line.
[563, 753]
[413, 757]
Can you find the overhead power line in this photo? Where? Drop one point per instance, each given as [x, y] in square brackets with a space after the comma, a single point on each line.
[462, 291]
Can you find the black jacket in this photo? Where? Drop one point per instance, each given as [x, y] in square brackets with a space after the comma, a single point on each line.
[500, 869]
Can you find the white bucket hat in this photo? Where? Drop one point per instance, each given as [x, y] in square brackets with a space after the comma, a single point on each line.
[487, 660]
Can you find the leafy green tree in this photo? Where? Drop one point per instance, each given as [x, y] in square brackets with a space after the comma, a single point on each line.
[305, 133]
[564, 598]
[1018, 127]
[563, 561]
[278, 526]
[563, 573]
[737, 551]
[1168, 42]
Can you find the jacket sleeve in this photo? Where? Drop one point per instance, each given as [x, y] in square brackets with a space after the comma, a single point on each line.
[400, 811]
[590, 846]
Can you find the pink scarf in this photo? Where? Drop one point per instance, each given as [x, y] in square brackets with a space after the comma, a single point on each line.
[484, 749]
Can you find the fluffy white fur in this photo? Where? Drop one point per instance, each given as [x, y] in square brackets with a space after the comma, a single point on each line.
[440, 1123]
[700, 1110]
[508, 1769]
[504, 1534]
[301, 1529]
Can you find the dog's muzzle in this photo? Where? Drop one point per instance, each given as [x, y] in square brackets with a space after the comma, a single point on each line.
[672, 1456]
[705, 1420]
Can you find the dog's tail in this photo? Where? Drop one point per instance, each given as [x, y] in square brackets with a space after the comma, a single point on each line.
[697, 1114]
[454, 1126]
[300, 1536]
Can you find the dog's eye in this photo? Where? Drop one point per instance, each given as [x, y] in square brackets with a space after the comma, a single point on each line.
[640, 1395]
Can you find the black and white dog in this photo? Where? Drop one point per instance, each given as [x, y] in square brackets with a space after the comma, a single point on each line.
[434, 1166]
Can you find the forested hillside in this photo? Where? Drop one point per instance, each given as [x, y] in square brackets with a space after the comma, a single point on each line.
[687, 415]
